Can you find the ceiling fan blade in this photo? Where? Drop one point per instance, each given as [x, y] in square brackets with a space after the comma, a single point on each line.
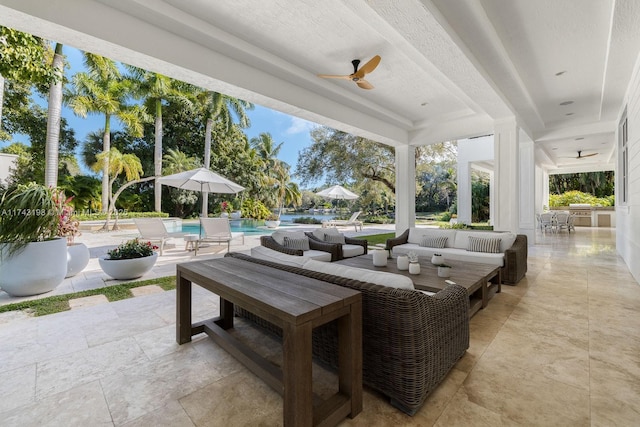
[363, 84]
[587, 155]
[332, 76]
[368, 67]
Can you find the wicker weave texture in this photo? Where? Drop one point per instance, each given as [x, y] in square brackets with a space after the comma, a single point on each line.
[410, 340]
[347, 240]
[333, 248]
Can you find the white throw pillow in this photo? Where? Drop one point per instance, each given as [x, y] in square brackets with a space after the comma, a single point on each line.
[279, 236]
[417, 235]
[376, 277]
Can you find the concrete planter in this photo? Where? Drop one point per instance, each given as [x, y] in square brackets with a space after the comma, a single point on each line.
[125, 269]
[40, 267]
[77, 258]
[272, 224]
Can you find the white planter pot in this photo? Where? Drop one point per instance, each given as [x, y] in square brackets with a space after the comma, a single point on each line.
[224, 215]
[38, 268]
[272, 224]
[77, 258]
[236, 215]
[403, 262]
[379, 258]
[125, 269]
[414, 268]
[437, 259]
[444, 271]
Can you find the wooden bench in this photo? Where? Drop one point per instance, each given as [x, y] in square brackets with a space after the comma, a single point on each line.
[296, 304]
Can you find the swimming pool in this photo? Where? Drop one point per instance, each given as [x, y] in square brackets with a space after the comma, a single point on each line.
[247, 226]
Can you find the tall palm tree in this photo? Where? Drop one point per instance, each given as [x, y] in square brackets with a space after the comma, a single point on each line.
[277, 176]
[53, 120]
[218, 107]
[103, 90]
[155, 89]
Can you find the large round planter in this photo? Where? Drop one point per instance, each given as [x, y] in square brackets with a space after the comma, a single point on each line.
[125, 269]
[77, 258]
[236, 215]
[272, 224]
[38, 268]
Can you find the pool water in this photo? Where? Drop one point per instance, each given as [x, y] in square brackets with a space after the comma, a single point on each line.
[247, 226]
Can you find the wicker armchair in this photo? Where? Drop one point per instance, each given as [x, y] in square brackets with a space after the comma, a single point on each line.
[515, 258]
[332, 248]
[347, 241]
[410, 340]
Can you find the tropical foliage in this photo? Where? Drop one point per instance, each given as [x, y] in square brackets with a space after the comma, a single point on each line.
[565, 199]
[598, 184]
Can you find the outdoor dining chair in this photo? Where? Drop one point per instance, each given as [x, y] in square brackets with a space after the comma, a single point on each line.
[547, 221]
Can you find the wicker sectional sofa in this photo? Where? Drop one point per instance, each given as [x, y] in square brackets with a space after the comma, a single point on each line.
[410, 340]
[455, 245]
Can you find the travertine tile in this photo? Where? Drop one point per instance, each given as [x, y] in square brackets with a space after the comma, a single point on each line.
[172, 414]
[90, 301]
[80, 406]
[18, 388]
[146, 290]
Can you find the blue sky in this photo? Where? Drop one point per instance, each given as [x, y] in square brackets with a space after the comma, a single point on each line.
[293, 132]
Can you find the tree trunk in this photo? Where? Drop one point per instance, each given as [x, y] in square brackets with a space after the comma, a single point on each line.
[207, 163]
[112, 200]
[157, 157]
[106, 147]
[1, 98]
[53, 120]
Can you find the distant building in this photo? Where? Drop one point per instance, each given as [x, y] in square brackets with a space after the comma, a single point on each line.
[7, 162]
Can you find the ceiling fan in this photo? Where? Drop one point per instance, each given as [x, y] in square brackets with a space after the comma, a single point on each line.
[358, 74]
[580, 156]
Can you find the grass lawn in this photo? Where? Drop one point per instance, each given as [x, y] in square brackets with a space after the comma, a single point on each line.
[55, 304]
[374, 239]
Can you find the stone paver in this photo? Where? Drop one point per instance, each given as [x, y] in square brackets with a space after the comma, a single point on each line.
[83, 302]
[146, 290]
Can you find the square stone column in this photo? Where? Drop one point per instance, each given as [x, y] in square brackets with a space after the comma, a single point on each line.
[405, 188]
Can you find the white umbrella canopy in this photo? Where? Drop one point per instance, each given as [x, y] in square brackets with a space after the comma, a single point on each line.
[203, 180]
[337, 192]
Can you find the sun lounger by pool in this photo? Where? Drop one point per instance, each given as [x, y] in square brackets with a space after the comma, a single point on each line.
[342, 222]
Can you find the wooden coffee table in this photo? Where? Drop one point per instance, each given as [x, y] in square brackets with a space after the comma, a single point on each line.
[482, 281]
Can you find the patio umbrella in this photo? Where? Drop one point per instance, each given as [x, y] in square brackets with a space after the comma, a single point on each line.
[337, 192]
[202, 180]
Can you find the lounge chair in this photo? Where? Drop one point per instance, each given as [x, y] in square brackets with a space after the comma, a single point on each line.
[153, 230]
[342, 222]
[216, 230]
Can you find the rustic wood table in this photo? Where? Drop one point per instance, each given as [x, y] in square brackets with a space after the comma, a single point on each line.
[480, 280]
[295, 303]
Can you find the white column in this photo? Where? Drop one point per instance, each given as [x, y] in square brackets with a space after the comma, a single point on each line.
[506, 152]
[492, 198]
[405, 188]
[527, 179]
[464, 190]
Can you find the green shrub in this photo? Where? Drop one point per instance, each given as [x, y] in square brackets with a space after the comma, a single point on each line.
[306, 220]
[99, 216]
[456, 226]
[446, 216]
[565, 199]
[252, 208]
[377, 219]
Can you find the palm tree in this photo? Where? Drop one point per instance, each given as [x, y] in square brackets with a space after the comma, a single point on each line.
[277, 176]
[218, 107]
[53, 120]
[155, 89]
[117, 164]
[103, 90]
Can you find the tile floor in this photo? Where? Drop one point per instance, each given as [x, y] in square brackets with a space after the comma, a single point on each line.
[560, 348]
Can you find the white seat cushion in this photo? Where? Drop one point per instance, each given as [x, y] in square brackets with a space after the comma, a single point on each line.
[349, 251]
[376, 277]
[451, 254]
[462, 238]
[317, 255]
[267, 254]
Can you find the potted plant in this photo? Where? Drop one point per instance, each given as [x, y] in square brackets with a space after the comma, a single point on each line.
[130, 260]
[272, 221]
[414, 263]
[33, 258]
[225, 209]
[444, 270]
[68, 227]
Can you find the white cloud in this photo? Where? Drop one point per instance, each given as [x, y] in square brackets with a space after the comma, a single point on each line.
[299, 125]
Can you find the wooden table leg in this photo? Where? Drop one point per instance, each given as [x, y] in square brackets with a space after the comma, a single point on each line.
[183, 309]
[350, 357]
[226, 314]
[297, 375]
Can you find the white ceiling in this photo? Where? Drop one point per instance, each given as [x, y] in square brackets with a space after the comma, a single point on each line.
[449, 69]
